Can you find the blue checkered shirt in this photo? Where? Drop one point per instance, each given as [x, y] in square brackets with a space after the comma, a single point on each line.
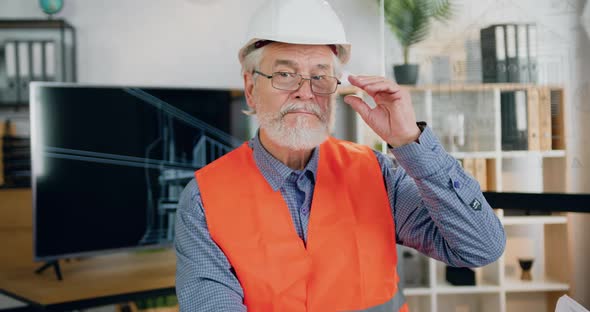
[438, 209]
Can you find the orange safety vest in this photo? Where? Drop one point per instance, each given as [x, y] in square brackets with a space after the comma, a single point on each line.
[350, 259]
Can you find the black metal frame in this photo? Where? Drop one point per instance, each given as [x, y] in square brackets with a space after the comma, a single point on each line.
[31, 306]
[51, 264]
[550, 202]
[88, 303]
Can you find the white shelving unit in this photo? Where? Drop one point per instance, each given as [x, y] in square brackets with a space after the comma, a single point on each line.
[509, 154]
[530, 220]
[467, 119]
[515, 285]
[498, 285]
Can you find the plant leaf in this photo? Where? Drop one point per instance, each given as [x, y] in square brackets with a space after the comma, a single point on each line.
[410, 20]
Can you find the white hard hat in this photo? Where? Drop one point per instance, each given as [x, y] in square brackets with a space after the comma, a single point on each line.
[297, 22]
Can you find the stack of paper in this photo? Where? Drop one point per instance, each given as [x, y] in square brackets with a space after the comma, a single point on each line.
[567, 304]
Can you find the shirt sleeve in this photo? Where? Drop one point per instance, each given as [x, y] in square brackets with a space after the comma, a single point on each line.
[438, 209]
[204, 277]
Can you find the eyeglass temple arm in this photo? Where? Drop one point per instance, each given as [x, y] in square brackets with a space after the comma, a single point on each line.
[261, 74]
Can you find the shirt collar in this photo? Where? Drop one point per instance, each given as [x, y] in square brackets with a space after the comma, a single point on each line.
[274, 171]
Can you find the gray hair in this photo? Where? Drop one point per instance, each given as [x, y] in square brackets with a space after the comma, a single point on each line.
[253, 59]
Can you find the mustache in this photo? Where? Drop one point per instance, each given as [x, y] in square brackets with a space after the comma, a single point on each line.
[302, 107]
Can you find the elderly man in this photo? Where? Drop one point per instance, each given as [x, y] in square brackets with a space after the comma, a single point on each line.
[295, 220]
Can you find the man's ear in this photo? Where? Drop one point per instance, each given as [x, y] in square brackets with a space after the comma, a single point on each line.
[249, 90]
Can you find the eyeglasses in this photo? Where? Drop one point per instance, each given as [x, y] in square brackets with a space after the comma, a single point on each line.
[320, 84]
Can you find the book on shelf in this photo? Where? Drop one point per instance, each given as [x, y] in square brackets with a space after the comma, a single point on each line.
[481, 173]
[469, 166]
[477, 168]
[7, 129]
[15, 157]
[545, 128]
[534, 127]
[539, 119]
[558, 139]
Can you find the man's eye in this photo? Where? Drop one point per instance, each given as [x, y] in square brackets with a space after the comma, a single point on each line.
[320, 77]
[284, 74]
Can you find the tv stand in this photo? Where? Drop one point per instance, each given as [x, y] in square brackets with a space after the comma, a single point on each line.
[56, 268]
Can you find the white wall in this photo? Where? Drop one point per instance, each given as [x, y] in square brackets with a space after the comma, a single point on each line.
[190, 43]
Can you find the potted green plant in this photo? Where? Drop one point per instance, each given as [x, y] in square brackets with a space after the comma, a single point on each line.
[410, 22]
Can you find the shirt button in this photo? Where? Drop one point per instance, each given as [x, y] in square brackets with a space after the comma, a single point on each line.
[456, 184]
[304, 211]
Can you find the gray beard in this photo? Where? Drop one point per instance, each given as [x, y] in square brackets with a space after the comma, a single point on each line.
[299, 137]
[302, 136]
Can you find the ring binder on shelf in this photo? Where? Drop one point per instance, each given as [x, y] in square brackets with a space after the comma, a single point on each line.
[34, 50]
[10, 94]
[37, 64]
[24, 71]
[50, 61]
[523, 53]
[511, 56]
[493, 54]
[532, 48]
[509, 53]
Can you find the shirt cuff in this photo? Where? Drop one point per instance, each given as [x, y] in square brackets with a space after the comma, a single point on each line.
[423, 159]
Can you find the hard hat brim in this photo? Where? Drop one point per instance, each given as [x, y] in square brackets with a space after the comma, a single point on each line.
[343, 47]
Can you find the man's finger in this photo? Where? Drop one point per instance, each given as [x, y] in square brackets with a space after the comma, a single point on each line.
[358, 104]
[385, 86]
[369, 78]
[362, 82]
[363, 77]
[375, 84]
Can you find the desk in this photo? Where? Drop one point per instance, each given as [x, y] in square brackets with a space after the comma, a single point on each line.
[95, 281]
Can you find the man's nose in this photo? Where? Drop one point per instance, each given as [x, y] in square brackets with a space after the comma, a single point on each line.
[304, 91]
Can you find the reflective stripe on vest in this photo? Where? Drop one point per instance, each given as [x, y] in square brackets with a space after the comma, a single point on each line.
[349, 262]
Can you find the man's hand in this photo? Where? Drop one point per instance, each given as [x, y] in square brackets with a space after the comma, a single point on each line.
[393, 119]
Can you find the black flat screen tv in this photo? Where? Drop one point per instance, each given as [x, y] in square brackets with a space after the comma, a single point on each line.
[109, 162]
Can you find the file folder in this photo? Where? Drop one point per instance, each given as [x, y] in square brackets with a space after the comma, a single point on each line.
[24, 71]
[493, 54]
[50, 61]
[532, 48]
[514, 122]
[511, 54]
[10, 93]
[37, 57]
[523, 53]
